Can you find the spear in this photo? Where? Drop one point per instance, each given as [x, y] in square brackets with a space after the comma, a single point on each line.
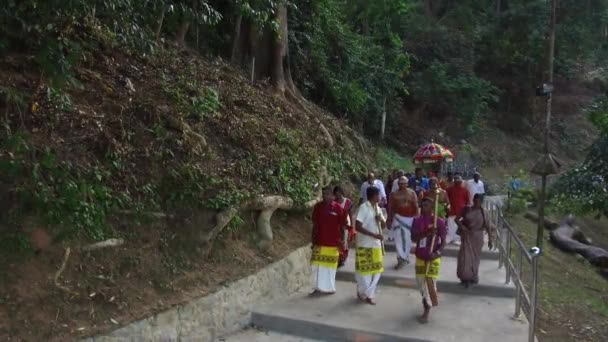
[430, 283]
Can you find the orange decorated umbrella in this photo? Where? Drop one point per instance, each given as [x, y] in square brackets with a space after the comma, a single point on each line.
[433, 153]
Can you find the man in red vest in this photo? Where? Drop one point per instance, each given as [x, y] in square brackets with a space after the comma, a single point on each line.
[459, 199]
[329, 221]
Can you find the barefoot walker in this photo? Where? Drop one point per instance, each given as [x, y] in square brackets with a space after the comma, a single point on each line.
[402, 208]
[368, 262]
[429, 232]
[329, 220]
[472, 223]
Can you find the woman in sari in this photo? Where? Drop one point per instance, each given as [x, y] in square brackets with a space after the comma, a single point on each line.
[472, 223]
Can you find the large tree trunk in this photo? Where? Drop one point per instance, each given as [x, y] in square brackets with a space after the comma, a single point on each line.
[279, 52]
[428, 8]
[266, 53]
[182, 30]
[236, 56]
[159, 25]
[184, 26]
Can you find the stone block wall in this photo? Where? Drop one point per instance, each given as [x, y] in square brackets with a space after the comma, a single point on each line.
[223, 312]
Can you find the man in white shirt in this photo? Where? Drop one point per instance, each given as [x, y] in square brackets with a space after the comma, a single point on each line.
[395, 186]
[372, 181]
[475, 186]
[368, 264]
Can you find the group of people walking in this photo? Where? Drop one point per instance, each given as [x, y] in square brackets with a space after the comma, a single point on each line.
[416, 209]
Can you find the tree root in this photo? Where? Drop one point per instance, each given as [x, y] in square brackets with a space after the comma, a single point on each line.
[222, 219]
[151, 214]
[66, 256]
[329, 139]
[103, 244]
[266, 205]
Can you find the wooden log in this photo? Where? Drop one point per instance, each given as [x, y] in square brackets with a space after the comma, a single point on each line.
[569, 238]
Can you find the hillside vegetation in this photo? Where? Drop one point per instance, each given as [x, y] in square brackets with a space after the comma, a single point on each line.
[178, 127]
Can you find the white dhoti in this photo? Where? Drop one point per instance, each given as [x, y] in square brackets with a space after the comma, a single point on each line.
[402, 227]
[367, 284]
[424, 289]
[323, 278]
[324, 262]
[368, 269]
[452, 228]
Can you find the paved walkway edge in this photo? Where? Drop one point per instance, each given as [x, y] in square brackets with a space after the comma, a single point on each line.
[223, 312]
[320, 331]
[450, 251]
[442, 285]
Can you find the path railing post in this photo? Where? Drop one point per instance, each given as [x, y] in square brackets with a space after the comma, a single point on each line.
[508, 257]
[535, 253]
[517, 286]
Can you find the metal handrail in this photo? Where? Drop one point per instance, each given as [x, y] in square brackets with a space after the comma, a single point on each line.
[514, 269]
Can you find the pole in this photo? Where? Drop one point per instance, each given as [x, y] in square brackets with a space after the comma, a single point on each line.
[543, 189]
[517, 285]
[535, 253]
[430, 282]
[252, 69]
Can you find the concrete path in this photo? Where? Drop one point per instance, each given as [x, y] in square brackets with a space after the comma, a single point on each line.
[478, 314]
[341, 318]
[254, 335]
[491, 282]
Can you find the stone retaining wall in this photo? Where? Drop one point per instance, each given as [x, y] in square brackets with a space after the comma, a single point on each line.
[223, 312]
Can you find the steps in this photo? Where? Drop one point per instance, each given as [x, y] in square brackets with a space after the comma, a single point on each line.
[478, 314]
[450, 251]
[341, 317]
[253, 335]
[491, 283]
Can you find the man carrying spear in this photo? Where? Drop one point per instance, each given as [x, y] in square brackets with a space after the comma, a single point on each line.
[370, 246]
[429, 232]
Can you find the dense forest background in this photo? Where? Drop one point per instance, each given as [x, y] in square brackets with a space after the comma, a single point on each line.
[390, 68]
[178, 127]
[359, 59]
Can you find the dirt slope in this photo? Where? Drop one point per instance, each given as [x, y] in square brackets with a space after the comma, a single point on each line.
[173, 134]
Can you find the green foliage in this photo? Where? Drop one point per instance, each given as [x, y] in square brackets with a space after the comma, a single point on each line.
[59, 99]
[199, 11]
[350, 71]
[585, 189]
[598, 114]
[14, 243]
[449, 90]
[517, 205]
[73, 200]
[389, 159]
[526, 193]
[297, 169]
[235, 224]
[184, 185]
[206, 103]
[230, 195]
[57, 31]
